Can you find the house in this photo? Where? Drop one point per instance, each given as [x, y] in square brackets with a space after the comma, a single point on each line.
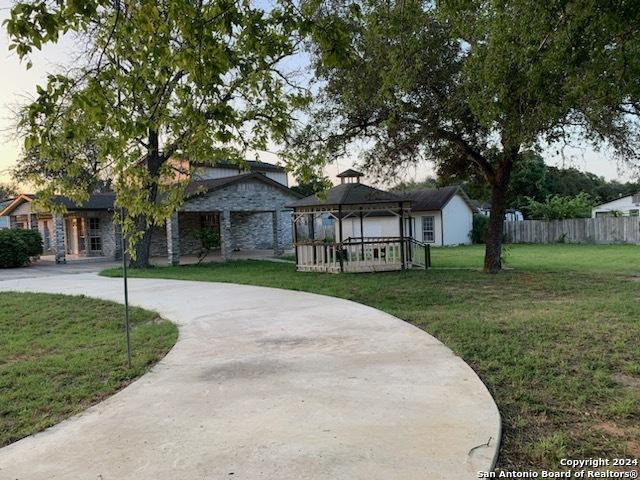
[628, 206]
[246, 207]
[86, 230]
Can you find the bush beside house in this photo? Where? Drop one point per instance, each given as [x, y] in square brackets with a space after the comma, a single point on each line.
[18, 246]
[480, 228]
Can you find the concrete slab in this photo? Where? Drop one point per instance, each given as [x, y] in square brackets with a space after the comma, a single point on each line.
[270, 384]
[45, 268]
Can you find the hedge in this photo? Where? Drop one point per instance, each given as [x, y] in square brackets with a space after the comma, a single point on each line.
[32, 239]
[14, 251]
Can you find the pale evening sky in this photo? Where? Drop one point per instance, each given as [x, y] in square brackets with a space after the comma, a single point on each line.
[17, 85]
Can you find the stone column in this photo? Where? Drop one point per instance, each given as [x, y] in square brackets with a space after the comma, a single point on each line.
[58, 239]
[173, 239]
[225, 235]
[277, 232]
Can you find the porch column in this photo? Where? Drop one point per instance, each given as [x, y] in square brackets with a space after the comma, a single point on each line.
[225, 235]
[58, 239]
[173, 239]
[277, 232]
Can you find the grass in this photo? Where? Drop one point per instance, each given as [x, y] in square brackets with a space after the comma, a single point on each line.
[60, 354]
[555, 337]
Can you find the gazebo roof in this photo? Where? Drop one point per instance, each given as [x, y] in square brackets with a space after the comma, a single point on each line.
[349, 194]
[350, 173]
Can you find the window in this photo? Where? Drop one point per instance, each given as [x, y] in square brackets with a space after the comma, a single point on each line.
[210, 221]
[634, 213]
[95, 239]
[95, 244]
[94, 223]
[428, 229]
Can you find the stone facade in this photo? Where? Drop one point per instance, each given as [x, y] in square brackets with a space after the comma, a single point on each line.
[250, 212]
[252, 196]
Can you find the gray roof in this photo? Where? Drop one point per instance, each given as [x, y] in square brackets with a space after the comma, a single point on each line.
[350, 173]
[349, 194]
[250, 165]
[202, 186]
[436, 198]
[96, 201]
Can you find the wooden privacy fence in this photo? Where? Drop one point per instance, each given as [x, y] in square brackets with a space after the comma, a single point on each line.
[576, 230]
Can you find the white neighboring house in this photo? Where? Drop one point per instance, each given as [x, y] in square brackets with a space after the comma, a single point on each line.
[628, 206]
[438, 216]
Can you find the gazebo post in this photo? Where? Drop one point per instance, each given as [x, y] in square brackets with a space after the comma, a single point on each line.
[312, 232]
[340, 240]
[362, 234]
[295, 235]
[402, 235]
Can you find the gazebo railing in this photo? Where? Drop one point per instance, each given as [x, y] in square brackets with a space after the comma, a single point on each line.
[368, 254]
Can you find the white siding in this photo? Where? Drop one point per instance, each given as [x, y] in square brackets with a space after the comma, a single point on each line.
[458, 221]
[624, 205]
[373, 227]
[418, 233]
[210, 173]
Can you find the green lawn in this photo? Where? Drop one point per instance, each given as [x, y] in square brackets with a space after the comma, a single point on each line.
[60, 354]
[556, 338]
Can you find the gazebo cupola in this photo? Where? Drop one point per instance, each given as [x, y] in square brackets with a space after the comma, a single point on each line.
[350, 176]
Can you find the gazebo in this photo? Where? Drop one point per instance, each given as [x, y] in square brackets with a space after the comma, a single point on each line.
[329, 232]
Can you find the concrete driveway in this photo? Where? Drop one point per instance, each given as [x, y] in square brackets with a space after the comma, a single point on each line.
[270, 384]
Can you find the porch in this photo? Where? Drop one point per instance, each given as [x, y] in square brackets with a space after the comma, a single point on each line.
[76, 235]
[242, 234]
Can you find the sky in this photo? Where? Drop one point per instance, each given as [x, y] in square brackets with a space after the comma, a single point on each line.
[17, 85]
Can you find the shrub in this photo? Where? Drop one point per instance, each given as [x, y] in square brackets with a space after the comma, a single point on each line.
[480, 228]
[14, 252]
[556, 207]
[32, 239]
[209, 240]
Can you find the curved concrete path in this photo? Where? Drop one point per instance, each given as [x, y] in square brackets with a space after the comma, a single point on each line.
[270, 384]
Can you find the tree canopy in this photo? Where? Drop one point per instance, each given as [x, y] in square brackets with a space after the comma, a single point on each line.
[201, 80]
[472, 85]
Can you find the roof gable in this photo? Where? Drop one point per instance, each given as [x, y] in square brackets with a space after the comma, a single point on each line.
[200, 187]
[15, 203]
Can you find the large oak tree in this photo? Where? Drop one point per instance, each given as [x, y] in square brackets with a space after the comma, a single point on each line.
[154, 80]
[472, 84]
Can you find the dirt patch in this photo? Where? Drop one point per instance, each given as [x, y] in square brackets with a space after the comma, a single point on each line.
[627, 381]
[612, 429]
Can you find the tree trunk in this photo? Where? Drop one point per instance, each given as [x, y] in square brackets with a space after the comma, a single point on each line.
[143, 246]
[493, 250]
[154, 162]
[499, 186]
